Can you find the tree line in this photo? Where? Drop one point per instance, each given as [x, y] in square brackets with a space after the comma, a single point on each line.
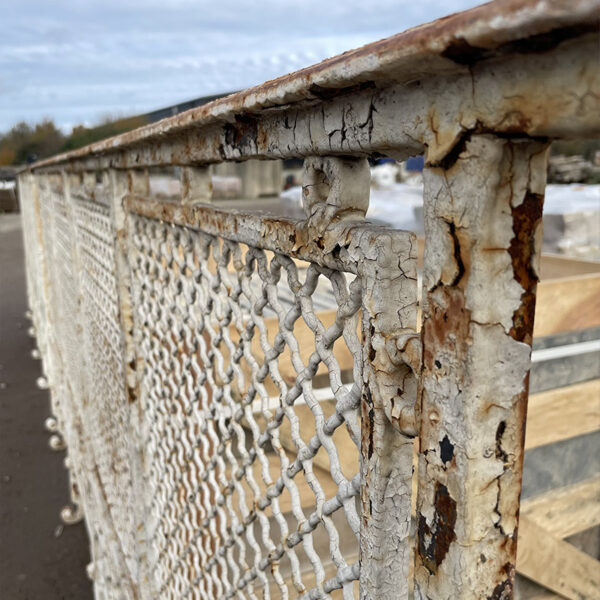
[25, 143]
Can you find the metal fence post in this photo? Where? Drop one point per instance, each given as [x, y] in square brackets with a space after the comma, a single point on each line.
[196, 184]
[483, 209]
[120, 184]
[391, 355]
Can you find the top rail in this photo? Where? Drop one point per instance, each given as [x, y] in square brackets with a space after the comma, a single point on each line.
[447, 51]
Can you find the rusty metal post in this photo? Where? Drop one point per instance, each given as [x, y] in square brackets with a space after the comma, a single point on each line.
[483, 211]
[389, 276]
[122, 183]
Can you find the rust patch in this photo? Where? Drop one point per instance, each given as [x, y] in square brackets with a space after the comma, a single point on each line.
[244, 132]
[262, 138]
[435, 541]
[503, 591]
[526, 217]
[368, 417]
[446, 327]
[521, 409]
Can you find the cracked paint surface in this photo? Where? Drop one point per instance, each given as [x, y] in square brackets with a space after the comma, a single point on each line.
[482, 215]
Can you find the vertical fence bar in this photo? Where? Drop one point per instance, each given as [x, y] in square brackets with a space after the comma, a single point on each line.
[389, 272]
[43, 220]
[483, 210]
[33, 251]
[196, 184]
[120, 184]
[104, 407]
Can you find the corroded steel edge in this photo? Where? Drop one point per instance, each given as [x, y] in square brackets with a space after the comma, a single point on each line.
[333, 248]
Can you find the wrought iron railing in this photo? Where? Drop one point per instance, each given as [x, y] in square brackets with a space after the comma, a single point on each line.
[240, 393]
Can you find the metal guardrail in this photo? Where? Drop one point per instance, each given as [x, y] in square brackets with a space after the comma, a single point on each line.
[230, 437]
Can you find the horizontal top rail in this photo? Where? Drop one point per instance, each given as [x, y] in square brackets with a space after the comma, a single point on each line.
[447, 46]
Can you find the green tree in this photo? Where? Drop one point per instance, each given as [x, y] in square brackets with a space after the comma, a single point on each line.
[24, 143]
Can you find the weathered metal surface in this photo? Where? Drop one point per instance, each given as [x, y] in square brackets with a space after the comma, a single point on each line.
[483, 220]
[79, 394]
[388, 415]
[184, 347]
[333, 248]
[196, 185]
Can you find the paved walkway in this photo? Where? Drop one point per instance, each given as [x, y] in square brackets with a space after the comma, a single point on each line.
[39, 558]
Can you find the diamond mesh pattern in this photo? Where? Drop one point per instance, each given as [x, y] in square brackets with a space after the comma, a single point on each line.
[234, 427]
[73, 296]
[106, 405]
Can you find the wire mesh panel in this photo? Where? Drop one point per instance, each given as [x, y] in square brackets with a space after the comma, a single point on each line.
[250, 332]
[234, 425]
[69, 243]
[238, 466]
[105, 407]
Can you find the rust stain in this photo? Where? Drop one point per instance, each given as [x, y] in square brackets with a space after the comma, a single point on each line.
[503, 591]
[243, 132]
[526, 218]
[435, 541]
[368, 418]
[447, 327]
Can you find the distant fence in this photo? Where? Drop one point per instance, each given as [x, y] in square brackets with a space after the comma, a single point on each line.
[240, 393]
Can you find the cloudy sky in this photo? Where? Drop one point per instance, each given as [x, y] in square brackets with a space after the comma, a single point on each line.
[78, 61]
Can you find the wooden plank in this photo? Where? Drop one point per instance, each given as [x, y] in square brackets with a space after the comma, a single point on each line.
[555, 266]
[564, 371]
[567, 304]
[563, 413]
[555, 564]
[567, 511]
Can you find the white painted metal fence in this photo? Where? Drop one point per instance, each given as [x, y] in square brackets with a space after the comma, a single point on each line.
[240, 393]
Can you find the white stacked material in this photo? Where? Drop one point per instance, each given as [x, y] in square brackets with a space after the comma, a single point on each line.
[571, 214]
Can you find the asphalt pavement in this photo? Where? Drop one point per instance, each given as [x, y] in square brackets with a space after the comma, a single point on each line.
[40, 558]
